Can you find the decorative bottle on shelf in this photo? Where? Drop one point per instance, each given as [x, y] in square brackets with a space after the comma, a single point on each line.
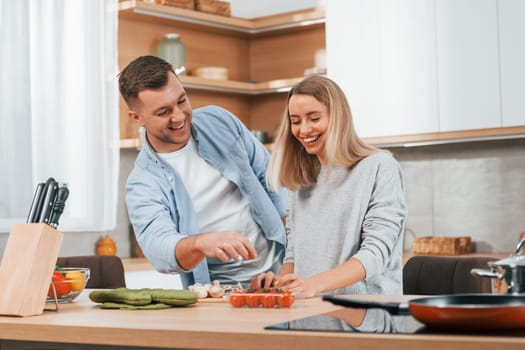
[173, 51]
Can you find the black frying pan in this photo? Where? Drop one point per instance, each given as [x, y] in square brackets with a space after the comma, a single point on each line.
[454, 311]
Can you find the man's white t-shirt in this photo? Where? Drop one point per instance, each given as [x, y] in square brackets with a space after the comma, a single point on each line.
[221, 207]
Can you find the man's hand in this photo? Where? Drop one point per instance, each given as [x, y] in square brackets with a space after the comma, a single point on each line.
[224, 246]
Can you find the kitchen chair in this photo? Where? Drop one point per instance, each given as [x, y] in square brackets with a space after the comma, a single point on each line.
[107, 272]
[432, 275]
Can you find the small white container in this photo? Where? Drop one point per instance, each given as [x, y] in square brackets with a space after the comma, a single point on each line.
[212, 73]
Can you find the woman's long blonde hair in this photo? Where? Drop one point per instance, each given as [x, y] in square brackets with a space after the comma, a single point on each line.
[290, 165]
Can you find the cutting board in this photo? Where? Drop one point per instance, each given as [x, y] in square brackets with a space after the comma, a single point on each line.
[214, 300]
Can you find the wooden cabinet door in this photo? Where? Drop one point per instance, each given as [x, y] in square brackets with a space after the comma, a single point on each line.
[383, 54]
[468, 64]
[512, 56]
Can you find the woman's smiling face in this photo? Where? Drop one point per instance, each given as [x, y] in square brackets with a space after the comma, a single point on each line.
[309, 120]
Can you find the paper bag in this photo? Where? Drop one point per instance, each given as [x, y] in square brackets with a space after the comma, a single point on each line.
[27, 267]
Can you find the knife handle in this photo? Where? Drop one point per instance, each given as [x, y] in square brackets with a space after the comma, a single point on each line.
[50, 192]
[36, 205]
[59, 205]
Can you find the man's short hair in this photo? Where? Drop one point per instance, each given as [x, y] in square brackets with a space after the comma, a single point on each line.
[145, 72]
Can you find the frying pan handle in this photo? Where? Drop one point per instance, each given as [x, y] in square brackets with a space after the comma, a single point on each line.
[392, 308]
[486, 273]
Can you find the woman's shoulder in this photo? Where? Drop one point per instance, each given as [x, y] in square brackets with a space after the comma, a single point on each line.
[380, 158]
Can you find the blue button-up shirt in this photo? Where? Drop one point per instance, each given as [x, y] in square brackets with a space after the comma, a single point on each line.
[160, 207]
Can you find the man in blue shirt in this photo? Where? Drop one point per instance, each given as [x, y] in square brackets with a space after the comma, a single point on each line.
[197, 196]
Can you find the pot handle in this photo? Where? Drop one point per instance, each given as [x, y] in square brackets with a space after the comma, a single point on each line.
[519, 248]
[486, 273]
[392, 308]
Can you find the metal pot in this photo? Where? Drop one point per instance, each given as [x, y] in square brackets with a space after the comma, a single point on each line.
[508, 275]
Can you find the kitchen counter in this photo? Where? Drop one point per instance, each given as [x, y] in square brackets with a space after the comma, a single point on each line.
[218, 326]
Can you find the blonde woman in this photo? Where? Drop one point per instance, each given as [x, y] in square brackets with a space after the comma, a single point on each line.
[347, 207]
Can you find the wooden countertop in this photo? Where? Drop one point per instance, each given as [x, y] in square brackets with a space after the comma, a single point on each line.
[136, 264]
[220, 326]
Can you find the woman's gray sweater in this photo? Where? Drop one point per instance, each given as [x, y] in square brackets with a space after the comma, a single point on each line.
[357, 212]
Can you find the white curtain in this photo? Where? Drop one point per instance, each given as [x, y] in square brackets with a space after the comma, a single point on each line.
[59, 108]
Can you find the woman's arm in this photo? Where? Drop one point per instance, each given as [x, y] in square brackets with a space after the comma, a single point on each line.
[341, 276]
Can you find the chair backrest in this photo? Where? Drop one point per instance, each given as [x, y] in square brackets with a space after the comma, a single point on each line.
[106, 272]
[432, 275]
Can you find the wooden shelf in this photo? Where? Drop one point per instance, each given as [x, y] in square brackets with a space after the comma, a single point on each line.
[436, 138]
[242, 26]
[130, 143]
[137, 264]
[239, 87]
[264, 56]
[414, 140]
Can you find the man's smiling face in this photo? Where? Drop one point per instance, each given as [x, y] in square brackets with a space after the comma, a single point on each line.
[165, 113]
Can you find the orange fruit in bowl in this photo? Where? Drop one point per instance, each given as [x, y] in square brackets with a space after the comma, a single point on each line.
[76, 280]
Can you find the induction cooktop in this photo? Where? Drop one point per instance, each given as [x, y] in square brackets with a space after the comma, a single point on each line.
[375, 321]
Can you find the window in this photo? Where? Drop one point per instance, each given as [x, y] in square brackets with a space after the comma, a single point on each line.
[59, 108]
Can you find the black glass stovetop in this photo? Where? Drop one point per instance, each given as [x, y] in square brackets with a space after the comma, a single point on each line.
[376, 321]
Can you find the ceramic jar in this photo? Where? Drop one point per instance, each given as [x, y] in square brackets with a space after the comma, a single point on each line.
[106, 246]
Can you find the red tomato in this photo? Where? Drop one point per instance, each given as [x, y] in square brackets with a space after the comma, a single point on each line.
[62, 286]
[237, 300]
[267, 300]
[251, 300]
[286, 299]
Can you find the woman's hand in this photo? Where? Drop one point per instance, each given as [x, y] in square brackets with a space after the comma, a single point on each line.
[267, 279]
[264, 280]
[303, 288]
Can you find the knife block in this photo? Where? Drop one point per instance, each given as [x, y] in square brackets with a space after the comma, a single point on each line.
[27, 267]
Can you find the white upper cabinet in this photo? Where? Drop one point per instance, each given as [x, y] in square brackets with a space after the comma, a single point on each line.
[512, 55]
[425, 66]
[383, 54]
[468, 64]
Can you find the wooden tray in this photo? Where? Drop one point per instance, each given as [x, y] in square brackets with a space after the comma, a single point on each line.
[224, 299]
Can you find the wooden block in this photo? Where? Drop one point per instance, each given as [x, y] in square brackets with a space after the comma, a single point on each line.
[27, 266]
[442, 245]
[216, 7]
